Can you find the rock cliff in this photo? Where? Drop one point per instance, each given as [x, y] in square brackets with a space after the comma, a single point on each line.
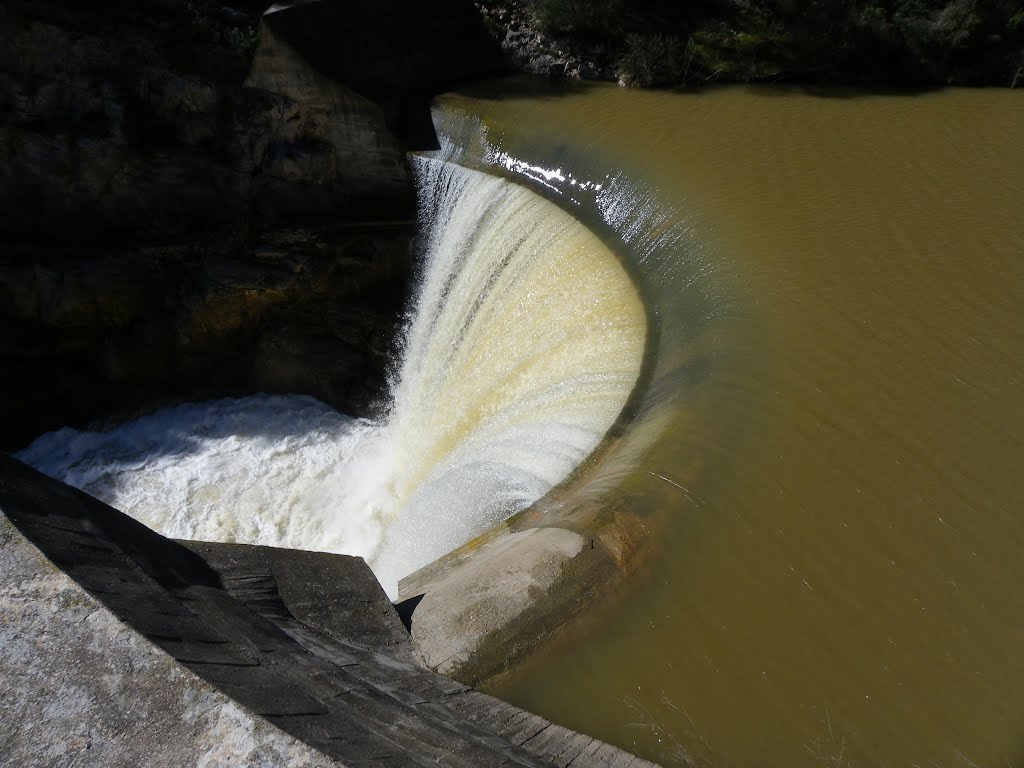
[190, 207]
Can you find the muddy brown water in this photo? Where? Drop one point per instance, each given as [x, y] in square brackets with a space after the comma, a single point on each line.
[838, 577]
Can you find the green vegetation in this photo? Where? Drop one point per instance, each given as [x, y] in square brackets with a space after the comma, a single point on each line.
[242, 39]
[207, 22]
[590, 20]
[651, 60]
[898, 42]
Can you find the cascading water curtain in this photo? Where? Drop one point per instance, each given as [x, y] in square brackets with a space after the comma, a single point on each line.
[525, 342]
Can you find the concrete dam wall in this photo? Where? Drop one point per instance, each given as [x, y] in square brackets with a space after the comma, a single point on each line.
[124, 648]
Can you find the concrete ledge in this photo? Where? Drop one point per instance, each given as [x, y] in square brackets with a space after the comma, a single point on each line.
[480, 610]
[79, 687]
[150, 652]
[486, 612]
[336, 595]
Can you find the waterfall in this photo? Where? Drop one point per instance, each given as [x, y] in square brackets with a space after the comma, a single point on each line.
[523, 345]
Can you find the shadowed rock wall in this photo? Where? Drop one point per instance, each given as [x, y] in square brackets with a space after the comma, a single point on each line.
[395, 52]
[187, 213]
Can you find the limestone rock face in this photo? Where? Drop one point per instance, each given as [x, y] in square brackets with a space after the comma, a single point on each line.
[106, 334]
[312, 143]
[393, 52]
[201, 200]
[187, 213]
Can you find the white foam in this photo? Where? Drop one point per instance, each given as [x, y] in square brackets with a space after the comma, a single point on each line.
[263, 470]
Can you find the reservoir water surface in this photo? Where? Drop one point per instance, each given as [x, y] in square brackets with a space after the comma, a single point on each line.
[839, 578]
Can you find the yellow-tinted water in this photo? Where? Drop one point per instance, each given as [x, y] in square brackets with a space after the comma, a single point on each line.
[840, 580]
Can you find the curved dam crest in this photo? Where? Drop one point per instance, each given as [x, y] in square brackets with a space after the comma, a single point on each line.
[525, 342]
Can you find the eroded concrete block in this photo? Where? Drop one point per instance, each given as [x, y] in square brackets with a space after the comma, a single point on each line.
[489, 593]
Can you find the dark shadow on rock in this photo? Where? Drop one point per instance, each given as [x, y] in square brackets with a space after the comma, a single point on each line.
[406, 609]
[397, 54]
[174, 234]
[93, 543]
[416, 125]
